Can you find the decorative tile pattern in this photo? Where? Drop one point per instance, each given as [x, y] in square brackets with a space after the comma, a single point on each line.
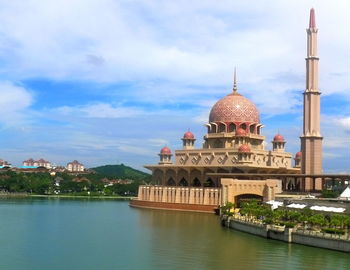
[234, 108]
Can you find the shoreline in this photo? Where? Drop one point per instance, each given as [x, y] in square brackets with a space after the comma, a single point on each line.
[68, 196]
[288, 235]
[81, 197]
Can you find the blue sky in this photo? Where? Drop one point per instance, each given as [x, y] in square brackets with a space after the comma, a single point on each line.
[106, 81]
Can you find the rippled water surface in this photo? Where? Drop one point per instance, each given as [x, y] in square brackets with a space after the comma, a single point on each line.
[91, 234]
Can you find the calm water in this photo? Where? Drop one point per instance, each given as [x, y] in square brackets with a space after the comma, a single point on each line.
[77, 234]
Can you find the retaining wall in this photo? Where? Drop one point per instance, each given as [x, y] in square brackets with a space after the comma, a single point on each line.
[173, 206]
[289, 235]
[323, 242]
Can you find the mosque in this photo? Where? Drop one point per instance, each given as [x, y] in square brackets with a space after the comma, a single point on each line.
[233, 163]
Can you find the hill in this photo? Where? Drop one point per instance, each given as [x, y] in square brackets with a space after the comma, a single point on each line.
[121, 171]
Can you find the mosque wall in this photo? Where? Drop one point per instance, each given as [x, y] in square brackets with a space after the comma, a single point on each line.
[182, 195]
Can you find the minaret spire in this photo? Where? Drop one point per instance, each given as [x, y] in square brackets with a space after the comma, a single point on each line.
[312, 23]
[234, 82]
[311, 140]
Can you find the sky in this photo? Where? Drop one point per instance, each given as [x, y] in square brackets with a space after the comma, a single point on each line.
[107, 81]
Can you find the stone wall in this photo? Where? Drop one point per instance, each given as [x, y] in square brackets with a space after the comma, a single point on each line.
[321, 241]
[251, 228]
[184, 195]
[289, 235]
[173, 206]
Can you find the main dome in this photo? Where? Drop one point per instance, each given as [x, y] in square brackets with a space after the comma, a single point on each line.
[234, 108]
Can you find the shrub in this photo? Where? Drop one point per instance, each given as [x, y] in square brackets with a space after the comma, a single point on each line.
[290, 224]
[268, 220]
[333, 231]
[330, 194]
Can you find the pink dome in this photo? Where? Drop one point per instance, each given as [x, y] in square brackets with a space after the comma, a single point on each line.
[234, 108]
[298, 155]
[278, 138]
[188, 135]
[165, 151]
[244, 148]
[241, 132]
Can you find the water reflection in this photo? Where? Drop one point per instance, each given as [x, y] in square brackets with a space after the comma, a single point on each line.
[104, 235]
[197, 241]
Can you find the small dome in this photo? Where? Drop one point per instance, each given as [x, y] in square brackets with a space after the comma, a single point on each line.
[244, 148]
[241, 132]
[278, 138]
[188, 135]
[165, 151]
[298, 155]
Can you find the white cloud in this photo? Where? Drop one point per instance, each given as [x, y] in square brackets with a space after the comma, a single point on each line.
[182, 42]
[100, 110]
[14, 103]
[171, 52]
[345, 122]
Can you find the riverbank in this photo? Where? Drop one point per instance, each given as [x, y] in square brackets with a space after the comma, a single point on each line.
[126, 198]
[289, 235]
[65, 196]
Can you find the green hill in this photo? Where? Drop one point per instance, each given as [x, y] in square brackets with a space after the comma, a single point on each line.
[121, 171]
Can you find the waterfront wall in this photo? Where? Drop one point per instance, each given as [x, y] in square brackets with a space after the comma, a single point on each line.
[196, 199]
[173, 206]
[330, 241]
[340, 243]
[251, 228]
[184, 195]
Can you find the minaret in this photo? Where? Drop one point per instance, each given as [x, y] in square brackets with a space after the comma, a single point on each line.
[311, 140]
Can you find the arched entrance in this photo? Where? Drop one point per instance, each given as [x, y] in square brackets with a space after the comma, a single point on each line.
[239, 199]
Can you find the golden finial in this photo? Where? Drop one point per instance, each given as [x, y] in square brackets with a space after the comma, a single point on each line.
[234, 82]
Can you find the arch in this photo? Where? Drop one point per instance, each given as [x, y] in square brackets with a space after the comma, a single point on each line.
[218, 144]
[170, 173]
[252, 129]
[208, 127]
[209, 183]
[247, 197]
[258, 130]
[222, 128]
[183, 182]
[213, 128]
[196, 174]
[196, 182]
[215, 179]
[243, 126]
[232, 127]
[182, 174]
[158, 177]
[171, 182]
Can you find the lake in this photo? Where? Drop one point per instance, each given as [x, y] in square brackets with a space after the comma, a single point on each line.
[107, 234]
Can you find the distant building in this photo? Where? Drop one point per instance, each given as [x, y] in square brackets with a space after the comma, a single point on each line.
[107, 182]
[75, 166]
[31, 163]
[80, 180]
[4, 164]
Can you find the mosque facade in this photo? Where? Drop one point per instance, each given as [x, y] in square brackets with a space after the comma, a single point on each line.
[234, 144]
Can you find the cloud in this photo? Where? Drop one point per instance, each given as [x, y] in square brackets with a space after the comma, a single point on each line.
[100, 110]
[345, 122]
[151, 41]
[15, 102]
[157, 68]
